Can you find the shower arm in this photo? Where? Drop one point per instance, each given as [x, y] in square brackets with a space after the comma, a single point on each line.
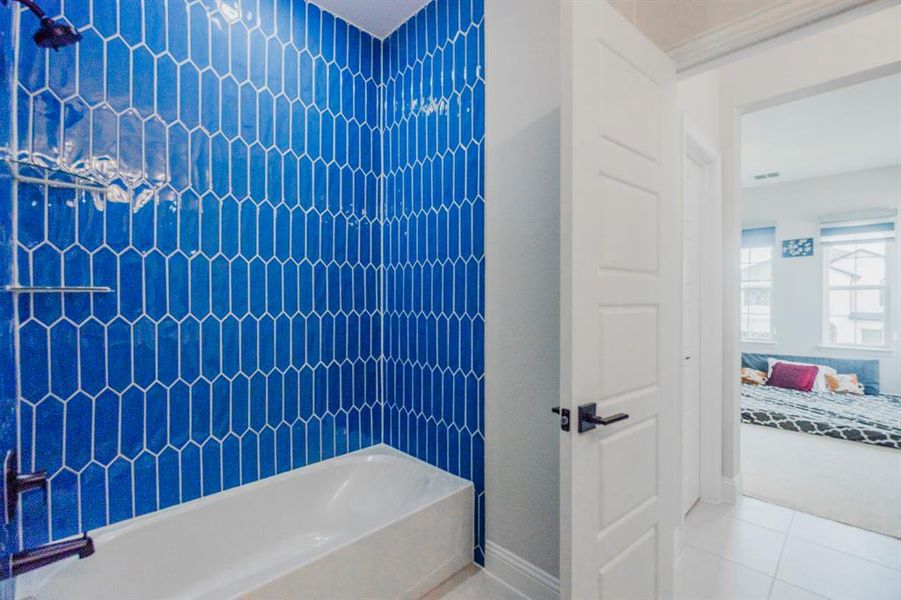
[51, 34]
[34, 8]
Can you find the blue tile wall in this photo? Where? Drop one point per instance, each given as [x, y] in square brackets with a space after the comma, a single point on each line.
[434, 132]
[283, 186]
[242, 240]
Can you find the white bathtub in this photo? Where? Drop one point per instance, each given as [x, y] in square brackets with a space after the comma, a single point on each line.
[372, 524]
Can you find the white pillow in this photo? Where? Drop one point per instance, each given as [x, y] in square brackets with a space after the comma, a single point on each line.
[819, 384]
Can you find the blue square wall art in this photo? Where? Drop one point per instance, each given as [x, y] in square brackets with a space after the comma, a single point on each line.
[797, 248]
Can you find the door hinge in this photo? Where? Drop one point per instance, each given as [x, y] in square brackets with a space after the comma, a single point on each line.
[564, 417]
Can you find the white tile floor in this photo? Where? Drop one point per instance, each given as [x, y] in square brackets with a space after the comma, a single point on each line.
[754, 550]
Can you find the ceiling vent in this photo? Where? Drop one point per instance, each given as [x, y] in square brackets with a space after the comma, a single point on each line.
[762, 176]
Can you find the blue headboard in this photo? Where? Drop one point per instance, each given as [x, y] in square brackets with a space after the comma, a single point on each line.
[867, 370]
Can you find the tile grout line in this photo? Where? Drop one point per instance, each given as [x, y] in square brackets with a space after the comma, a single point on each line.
[731, 561]
[781, 554]
[787, 536]
[848, 554]
[788, 533]
[737, 518]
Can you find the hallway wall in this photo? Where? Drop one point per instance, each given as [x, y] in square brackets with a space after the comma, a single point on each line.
[523, 276]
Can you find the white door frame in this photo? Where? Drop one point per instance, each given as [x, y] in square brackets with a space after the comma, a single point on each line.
[697, 147]
[852, 52]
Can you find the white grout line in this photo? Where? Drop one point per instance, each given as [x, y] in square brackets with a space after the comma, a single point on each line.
[781, 553]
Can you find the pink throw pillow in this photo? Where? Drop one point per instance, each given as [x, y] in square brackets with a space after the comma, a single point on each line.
[793, 377]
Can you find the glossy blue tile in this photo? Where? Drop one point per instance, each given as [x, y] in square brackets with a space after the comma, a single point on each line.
[177, 29]
[231, 462]
[118, 340]
[106, 426]
[167, 351]
[211, 461]
[92, 484]
[190, 473]
[200, 25]
[131, 432]
[145, 478]
[78, 431]
[189, 349]
[157, 407]
[64, 505]
[144, 352]
[249, 458]
[169, 488]
[179, 410]
[200, 411]
[248, 260]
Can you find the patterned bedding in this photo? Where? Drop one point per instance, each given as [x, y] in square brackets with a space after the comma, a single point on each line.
[872, 420]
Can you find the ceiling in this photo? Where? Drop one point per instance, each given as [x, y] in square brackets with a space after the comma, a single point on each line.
[848, 129]
[378, 17]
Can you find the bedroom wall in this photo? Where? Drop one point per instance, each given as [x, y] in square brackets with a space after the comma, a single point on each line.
[795, 207]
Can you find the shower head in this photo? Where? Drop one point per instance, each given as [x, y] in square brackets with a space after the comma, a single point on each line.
[55, 35]
[51, 34]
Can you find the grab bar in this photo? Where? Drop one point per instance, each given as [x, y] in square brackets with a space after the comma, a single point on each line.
[57, 289]
[29, 560]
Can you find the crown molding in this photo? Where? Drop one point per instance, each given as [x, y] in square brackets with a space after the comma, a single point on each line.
[763, 28]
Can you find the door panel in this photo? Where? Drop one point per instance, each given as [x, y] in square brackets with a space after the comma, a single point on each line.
[632, 573]
[620, 307]
[629, 457]
[628, 227]
[626, 367]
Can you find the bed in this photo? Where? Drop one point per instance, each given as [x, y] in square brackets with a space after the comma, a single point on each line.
[872, 418]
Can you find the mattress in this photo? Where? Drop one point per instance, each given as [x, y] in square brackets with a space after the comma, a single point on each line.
[870, 419]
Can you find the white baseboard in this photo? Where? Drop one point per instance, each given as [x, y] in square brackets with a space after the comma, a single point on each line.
[732, 489]
[519, 574]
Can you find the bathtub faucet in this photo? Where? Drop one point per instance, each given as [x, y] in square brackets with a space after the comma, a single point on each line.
[29, 560]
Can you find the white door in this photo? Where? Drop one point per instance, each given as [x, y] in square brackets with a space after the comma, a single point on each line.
[693, 190]
[620, 307]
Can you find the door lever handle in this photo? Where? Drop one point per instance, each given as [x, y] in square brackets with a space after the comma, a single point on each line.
[589, 419]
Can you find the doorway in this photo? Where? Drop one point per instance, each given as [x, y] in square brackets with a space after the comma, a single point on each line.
[821, 193]
[700, 406]
[693, 196]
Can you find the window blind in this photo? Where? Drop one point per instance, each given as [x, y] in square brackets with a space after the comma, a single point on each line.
[758, 237]
[837, 233]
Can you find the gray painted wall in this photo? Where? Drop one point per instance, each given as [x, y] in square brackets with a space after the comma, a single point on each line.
[522, 248]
